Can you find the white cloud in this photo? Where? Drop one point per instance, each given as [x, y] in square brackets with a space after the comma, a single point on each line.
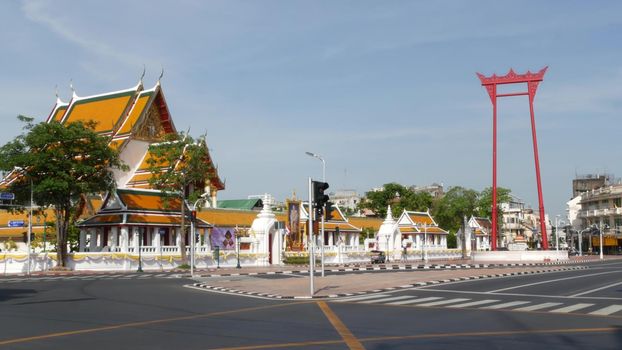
[38, 12]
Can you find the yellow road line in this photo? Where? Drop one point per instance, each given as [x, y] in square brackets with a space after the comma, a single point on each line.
[138, 324]
[429, 336]
[341, 328]
[283, 345]
[493, 333]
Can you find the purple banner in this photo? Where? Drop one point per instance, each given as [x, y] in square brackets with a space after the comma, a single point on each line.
[223, 237]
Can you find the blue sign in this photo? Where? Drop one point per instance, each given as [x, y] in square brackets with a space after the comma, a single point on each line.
[16, 223]
[7, 196]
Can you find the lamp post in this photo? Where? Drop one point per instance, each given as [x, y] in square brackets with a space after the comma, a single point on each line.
[237, 239]
[556, 232]
[387, 258]
[310, 154]
[28, 243]
[600, 233]
[310, 240]
[193, 233]
[425, 240]
[30, 224]
[581, 240]
[140, 248]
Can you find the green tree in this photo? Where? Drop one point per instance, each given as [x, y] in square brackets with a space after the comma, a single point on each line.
[179, 168]
[60, 163]
[399, 197]
[457, 203]
[452, 241]
[484, 203]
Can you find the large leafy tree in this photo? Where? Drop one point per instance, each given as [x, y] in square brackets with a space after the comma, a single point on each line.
[60, 163]
[484, 203]
[179, 167]
[457, 203]
[398, 196]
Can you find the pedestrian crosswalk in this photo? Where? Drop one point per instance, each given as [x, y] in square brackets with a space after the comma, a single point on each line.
[559, 307]
[91, 277]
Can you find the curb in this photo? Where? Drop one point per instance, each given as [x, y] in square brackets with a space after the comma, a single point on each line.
[340, 295]
[406, 267]
[88, 273]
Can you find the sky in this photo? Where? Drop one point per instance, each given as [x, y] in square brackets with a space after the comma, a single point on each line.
[385, 91]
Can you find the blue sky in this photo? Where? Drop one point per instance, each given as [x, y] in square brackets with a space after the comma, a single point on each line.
[384, 90]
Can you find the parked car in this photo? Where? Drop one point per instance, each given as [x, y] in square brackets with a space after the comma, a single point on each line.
[378, 257]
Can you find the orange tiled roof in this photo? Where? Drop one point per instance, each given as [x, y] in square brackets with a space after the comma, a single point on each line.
[343, 226]
[136, 112]
[433, 229]
[148, 201]
[228, 217]
[162, 220]
[107, 110]
[59, 113]
[18, 232]
[408, 229]
[144, 164]
[365, 222]
[421, 218]
[104, 219]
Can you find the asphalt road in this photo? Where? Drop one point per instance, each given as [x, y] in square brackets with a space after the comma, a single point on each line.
[579, 309]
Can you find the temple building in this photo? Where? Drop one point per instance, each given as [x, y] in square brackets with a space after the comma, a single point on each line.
[133, 119]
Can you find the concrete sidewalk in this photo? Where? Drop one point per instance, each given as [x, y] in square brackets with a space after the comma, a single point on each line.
[285, 285]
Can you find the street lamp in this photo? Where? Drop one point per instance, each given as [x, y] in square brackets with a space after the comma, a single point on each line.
[140, 247]
[581, 239]
[193, 233]
[600, 234]
[424, 254]
[237, 239]
[310, 154]
[425, 234]
[28, 243]
[556, 233]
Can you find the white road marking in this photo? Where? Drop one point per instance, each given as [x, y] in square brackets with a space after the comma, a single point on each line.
[537, 307]
[444, 302]
[414, 300]
[551, 281]
[607, 310]
[504, 305]
[401, 297]
[364, 297]
[522, 295]
[597, 289]
[572, 308]
[475, 303]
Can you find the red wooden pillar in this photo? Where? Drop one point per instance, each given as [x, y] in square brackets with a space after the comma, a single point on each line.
[493, 97]
[490, 83]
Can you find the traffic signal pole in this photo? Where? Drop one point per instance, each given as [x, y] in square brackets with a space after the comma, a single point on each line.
[310, 238]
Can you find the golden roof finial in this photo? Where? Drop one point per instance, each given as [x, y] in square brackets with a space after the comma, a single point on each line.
[140, 81]
[73, 91]
[161, 75]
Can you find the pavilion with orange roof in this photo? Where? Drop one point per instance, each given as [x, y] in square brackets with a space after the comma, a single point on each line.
[133, 119]
[419, 227]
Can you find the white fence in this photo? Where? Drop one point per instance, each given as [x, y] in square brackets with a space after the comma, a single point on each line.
[168, 258]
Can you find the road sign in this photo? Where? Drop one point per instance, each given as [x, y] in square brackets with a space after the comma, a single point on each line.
[16, 223]
[7, 196]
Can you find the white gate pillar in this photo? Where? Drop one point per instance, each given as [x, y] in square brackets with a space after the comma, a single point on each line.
[82, 243]
[135, 239]
[124, 239]
[93, 239]
[114, 233]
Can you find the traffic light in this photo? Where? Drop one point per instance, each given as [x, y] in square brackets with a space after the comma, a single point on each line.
[193, 216]
[319, 197]
[328, 214]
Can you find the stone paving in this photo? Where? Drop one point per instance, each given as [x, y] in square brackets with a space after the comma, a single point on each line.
[281, 282]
